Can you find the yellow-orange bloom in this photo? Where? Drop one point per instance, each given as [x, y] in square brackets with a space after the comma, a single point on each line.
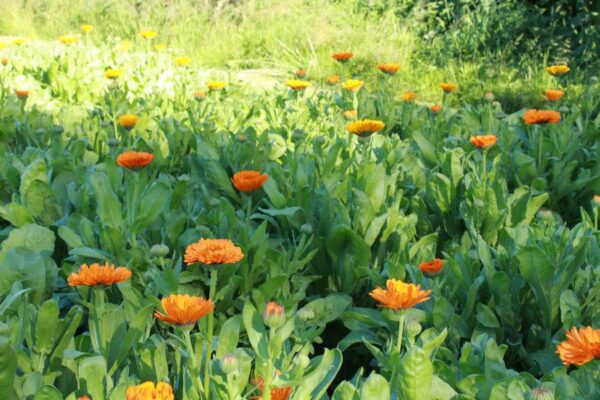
[4, 60]
[216, 85]
[553, 95]
[248, 181]
[134, 159]
[342, 56]
[352, 85]
[300, 73]
[86, 28]
[147, 391]
[558, 69]
[182, 61]
[85, 397]
[183, 309]
[128, 121]
[333, 79]
[389, 69]
[483, 141]
[350, 114]
[432, 267]
[19, 42]
[160, 47]
[365, 127]
[581, 346]
[97, 274]
[22, 93]
[212, 251]
[3, 45]
[400, 295]
[125, 45]
[68, 39]
[596, 199]
[448, 87]
[112, 73]
[533, 116]
[200, 95]
[298, 84]
[148, 34]
[409, 96]
[276, 393]
[436, 108]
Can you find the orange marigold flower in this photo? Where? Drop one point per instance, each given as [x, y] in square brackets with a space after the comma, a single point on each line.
[128, 121]
[389, 69]
[352, 85]
[112, 73]
[448, 87]
[216, 85]
[596, 199]
[148, 34]
[365, 127]
[409, 96]
[86, 28]
[183, 309]
[298, 84]
[21, 93]
[350, 114]
[276, 393]
[68, 39]
[333, 79]
[342, 56]
[581, 346]
[134, 159]
[96, 274]
[553, 95]
[432, 267]
[436, 108]
[533, 116]
[248, 181]
[300, 73]
[147, 391]
[212, 251]
[483, 141]
[182, 61]
[400, 295]
[558, 69]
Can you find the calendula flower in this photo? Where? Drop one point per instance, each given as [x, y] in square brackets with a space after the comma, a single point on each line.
[182, 61]
[436, 108]
[581, 346]
[558, 69]
[352, 85]
[200, 95]
[212, 251]
[4, 61]
[533, 116]
[298, 84]
[19, 41]
[342, 56]
[409, 96]
[147, 391]
[134, 159]
[448, 87]
[300, 73]
[183, 309]
[400, 295]
[86, 28]
[273, 315]
[125, 45]
[432, 267]
[160, 47]
[389, 69]
[96, 274]
[84, 398]
[22, 93]
[68, 39]
[112, 73]
[148, 34]
[350, 114]
[365, 127]
[333, 79]
[596, 199]
[276, 393]
[216, 85]
[553, 95]
[248, 181]
[128, 121]
[483, 141]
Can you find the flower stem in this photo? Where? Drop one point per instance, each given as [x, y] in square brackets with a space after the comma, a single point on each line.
[540, 149]
[99, 302]
[401, 329]
[484, 165]
[209, 342]
[266, 395]
[192, 359]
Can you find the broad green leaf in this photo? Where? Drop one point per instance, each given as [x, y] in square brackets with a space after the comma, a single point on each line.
[228, 336]
[93, 377]
[16, 214]
[375, 387]
[415, 375]
[26, 266]
[328, 308]
[8, 369]
[345, 391]
[538, 272]
[255, 330]
[108, 205]
[31, 236]
[121, 346]
[349, 252]
[48, 392]
[151, 206]
[319, 375]
[46, 326]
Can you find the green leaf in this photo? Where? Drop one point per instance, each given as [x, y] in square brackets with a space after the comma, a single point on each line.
[415, 375]
[329, 308]
[538, 272]
[121, 346]
[42, 203]
[152, 204]
[108, 205]
[345, 391]
[349, 252]
[68, 327]
[255, 330]
[31, 236]
[48, 392]
[8, 369]
[26, 266]
[287, 212]
[36, 171]
[319, 375]
[93, 377]
[375, 387]
[486, 317]
[229, 336]
[46, 326]
[426, 147]
[440, 390]
[16, 214]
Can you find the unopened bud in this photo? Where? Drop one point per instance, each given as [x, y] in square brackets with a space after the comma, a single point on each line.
[305, 314]
[273, 315]
[306, 229]
[229, 364]
[541, 393]
[301, 360]
[159, 250]
[413, 327]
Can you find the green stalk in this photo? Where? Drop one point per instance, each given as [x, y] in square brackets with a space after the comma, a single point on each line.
[266, 395]
[99, 304]
[484, 165]
[540, 148]
[401, 329]
[190, 349]
[209, 342]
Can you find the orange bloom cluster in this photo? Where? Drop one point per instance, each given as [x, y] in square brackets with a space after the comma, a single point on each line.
[134, 159]
[147, 391]
[298, 84]
[400, 295]
[22, 94]
[97, 274]
[276, 393]
[432, 267]
[333, 79]
[533, 116]
[389, 69]
[553, 95]
[581, 346]
[365, 127]
[448, 87]
[436, 108]
[213, 251]
[248, 181]
[342, 56]
[409, 96]
[483, 141]
[183, 309]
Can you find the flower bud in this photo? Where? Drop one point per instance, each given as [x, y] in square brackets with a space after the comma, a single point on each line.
[298, 133]
[541, 393]
[200, 96]
[596, 201]
[112, 142]
[413, 327]
[4, 61]
[214, 202]
[489, 96]
[546, 216]
[58, 129]
[159, 250]
[305, 314]
[301, 360]
[273, 315]
[242, 138]
[40, 131]
[229, 364]
[306, 229]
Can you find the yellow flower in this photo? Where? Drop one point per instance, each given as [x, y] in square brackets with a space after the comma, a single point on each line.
[148, 34]
[128, 121]
[19, 42]
[558, 69]
[352, 85]
[68, 39]
[350, 114]
[125, 45]
[86, 28]
[182, 61]
[400, 295]
[365, 127]
[148, 391]
[3, 45]
[113, 73]
[448, 87]
[216, 85]
[389, 69]
[409, 96]
[160, 47]
[297, 84]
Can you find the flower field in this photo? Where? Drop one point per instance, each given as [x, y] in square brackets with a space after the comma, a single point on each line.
[169, 231]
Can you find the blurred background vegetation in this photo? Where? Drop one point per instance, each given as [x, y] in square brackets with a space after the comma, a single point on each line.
[467, 41]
